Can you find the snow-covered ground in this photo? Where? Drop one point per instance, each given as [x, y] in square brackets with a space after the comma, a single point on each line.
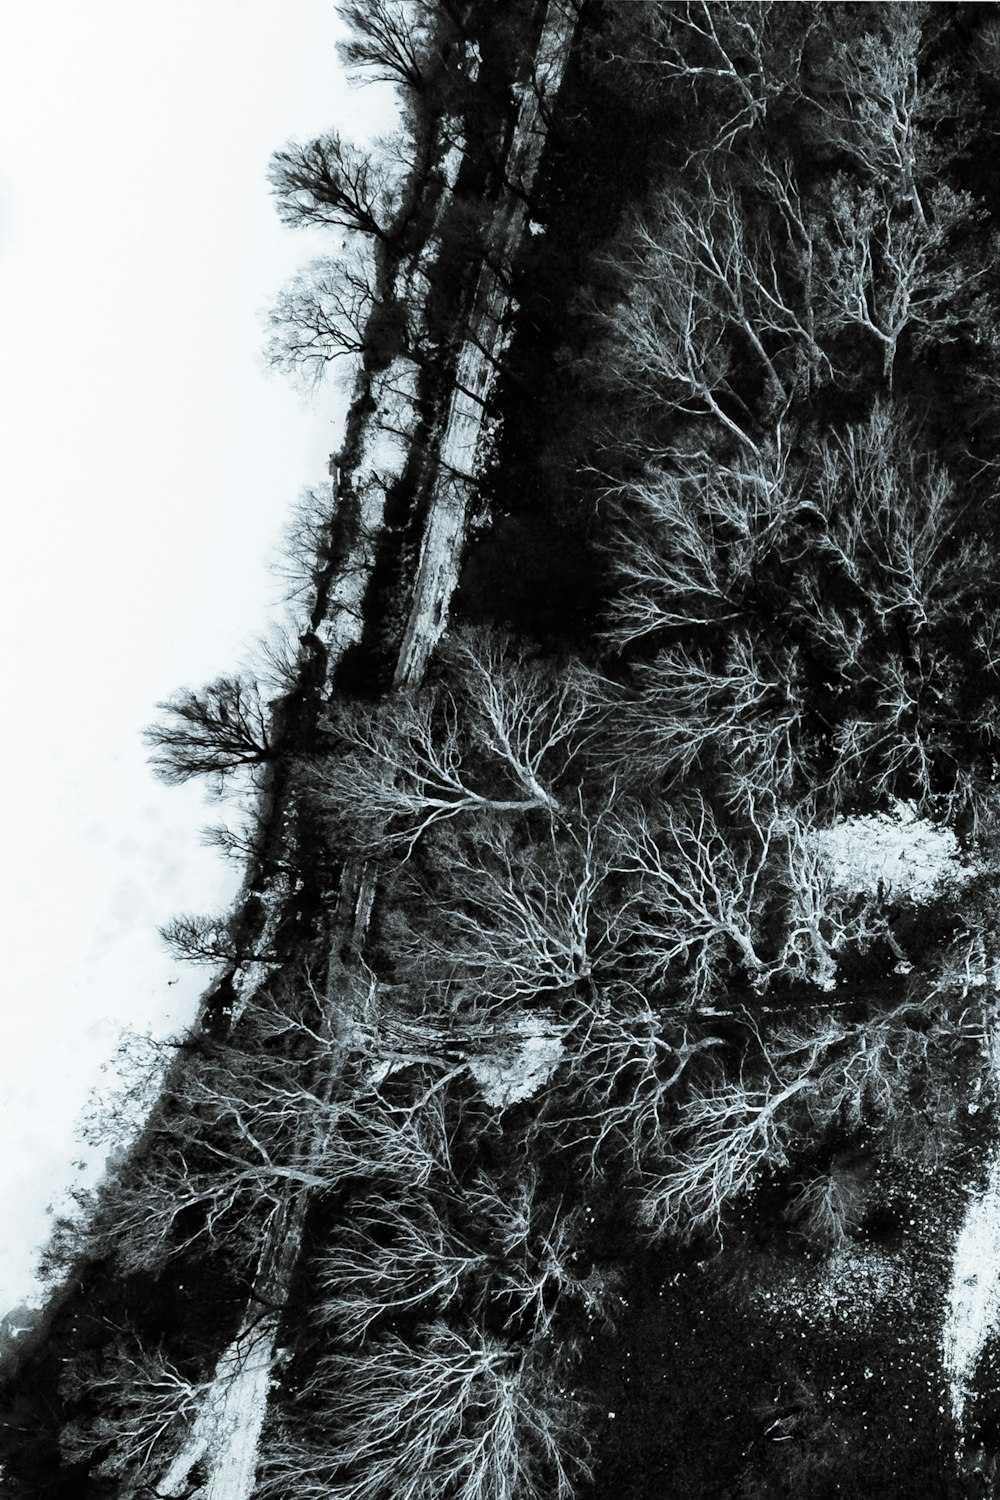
[907, 857]
[225, 1436]
[973, 1312]
[385, 449]
[840, 1291]
[524, 1059]
[249, 978]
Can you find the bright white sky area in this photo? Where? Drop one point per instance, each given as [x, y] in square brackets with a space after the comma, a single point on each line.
[147, 462]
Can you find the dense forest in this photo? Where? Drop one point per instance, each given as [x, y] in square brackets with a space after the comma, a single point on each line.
[595, 1089]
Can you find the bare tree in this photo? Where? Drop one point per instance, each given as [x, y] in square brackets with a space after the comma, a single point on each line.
[507, 919]
[707, 899]
[728, 1132]
[741, 717]
[735, 60]
[821, 591]
[888, 521]
[407, 769]
[714, 287]
[776, 179]
[307, 546]
[335, 184]
[221, 729]
[824, 1073]
[878, 100]
[695, 533]
[252, 839]
[213, 940]
[888, 548]
[322, 315]
[531, 712]
[243, 1126]
[392, 41]
[702, 240]
[391, 1258]
[625, 1072]
[498, 739]
[454, 1412]
[726, 1138]
[827, 1209]
[200, 1186]
[326, 545]
[706, 547]
[394, 1257]
[760, 537]
[697, 899]
[537, 1267]
[144, 1404]
[668, 355]
[892, 274]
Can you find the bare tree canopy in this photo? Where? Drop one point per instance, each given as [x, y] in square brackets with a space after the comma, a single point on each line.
[452, 1411]
[392, 41]
[221, 729]
[499, 739]
[331, 182]
[322, 315]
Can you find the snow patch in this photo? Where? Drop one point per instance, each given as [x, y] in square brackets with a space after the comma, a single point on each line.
[389, 431]
[517, 1070]
[848, 1293]
[898, 854]
[251, 976]
[851, 1280]
[387, 454]
[974, 1297]
[451, 162]
[225, 1436]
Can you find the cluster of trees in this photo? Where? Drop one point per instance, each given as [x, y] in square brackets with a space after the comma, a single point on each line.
[802, 576]
[649, 911]
[790, 340]
[425, 1321]
[798, 498]
[795, 545]
[457, 69]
